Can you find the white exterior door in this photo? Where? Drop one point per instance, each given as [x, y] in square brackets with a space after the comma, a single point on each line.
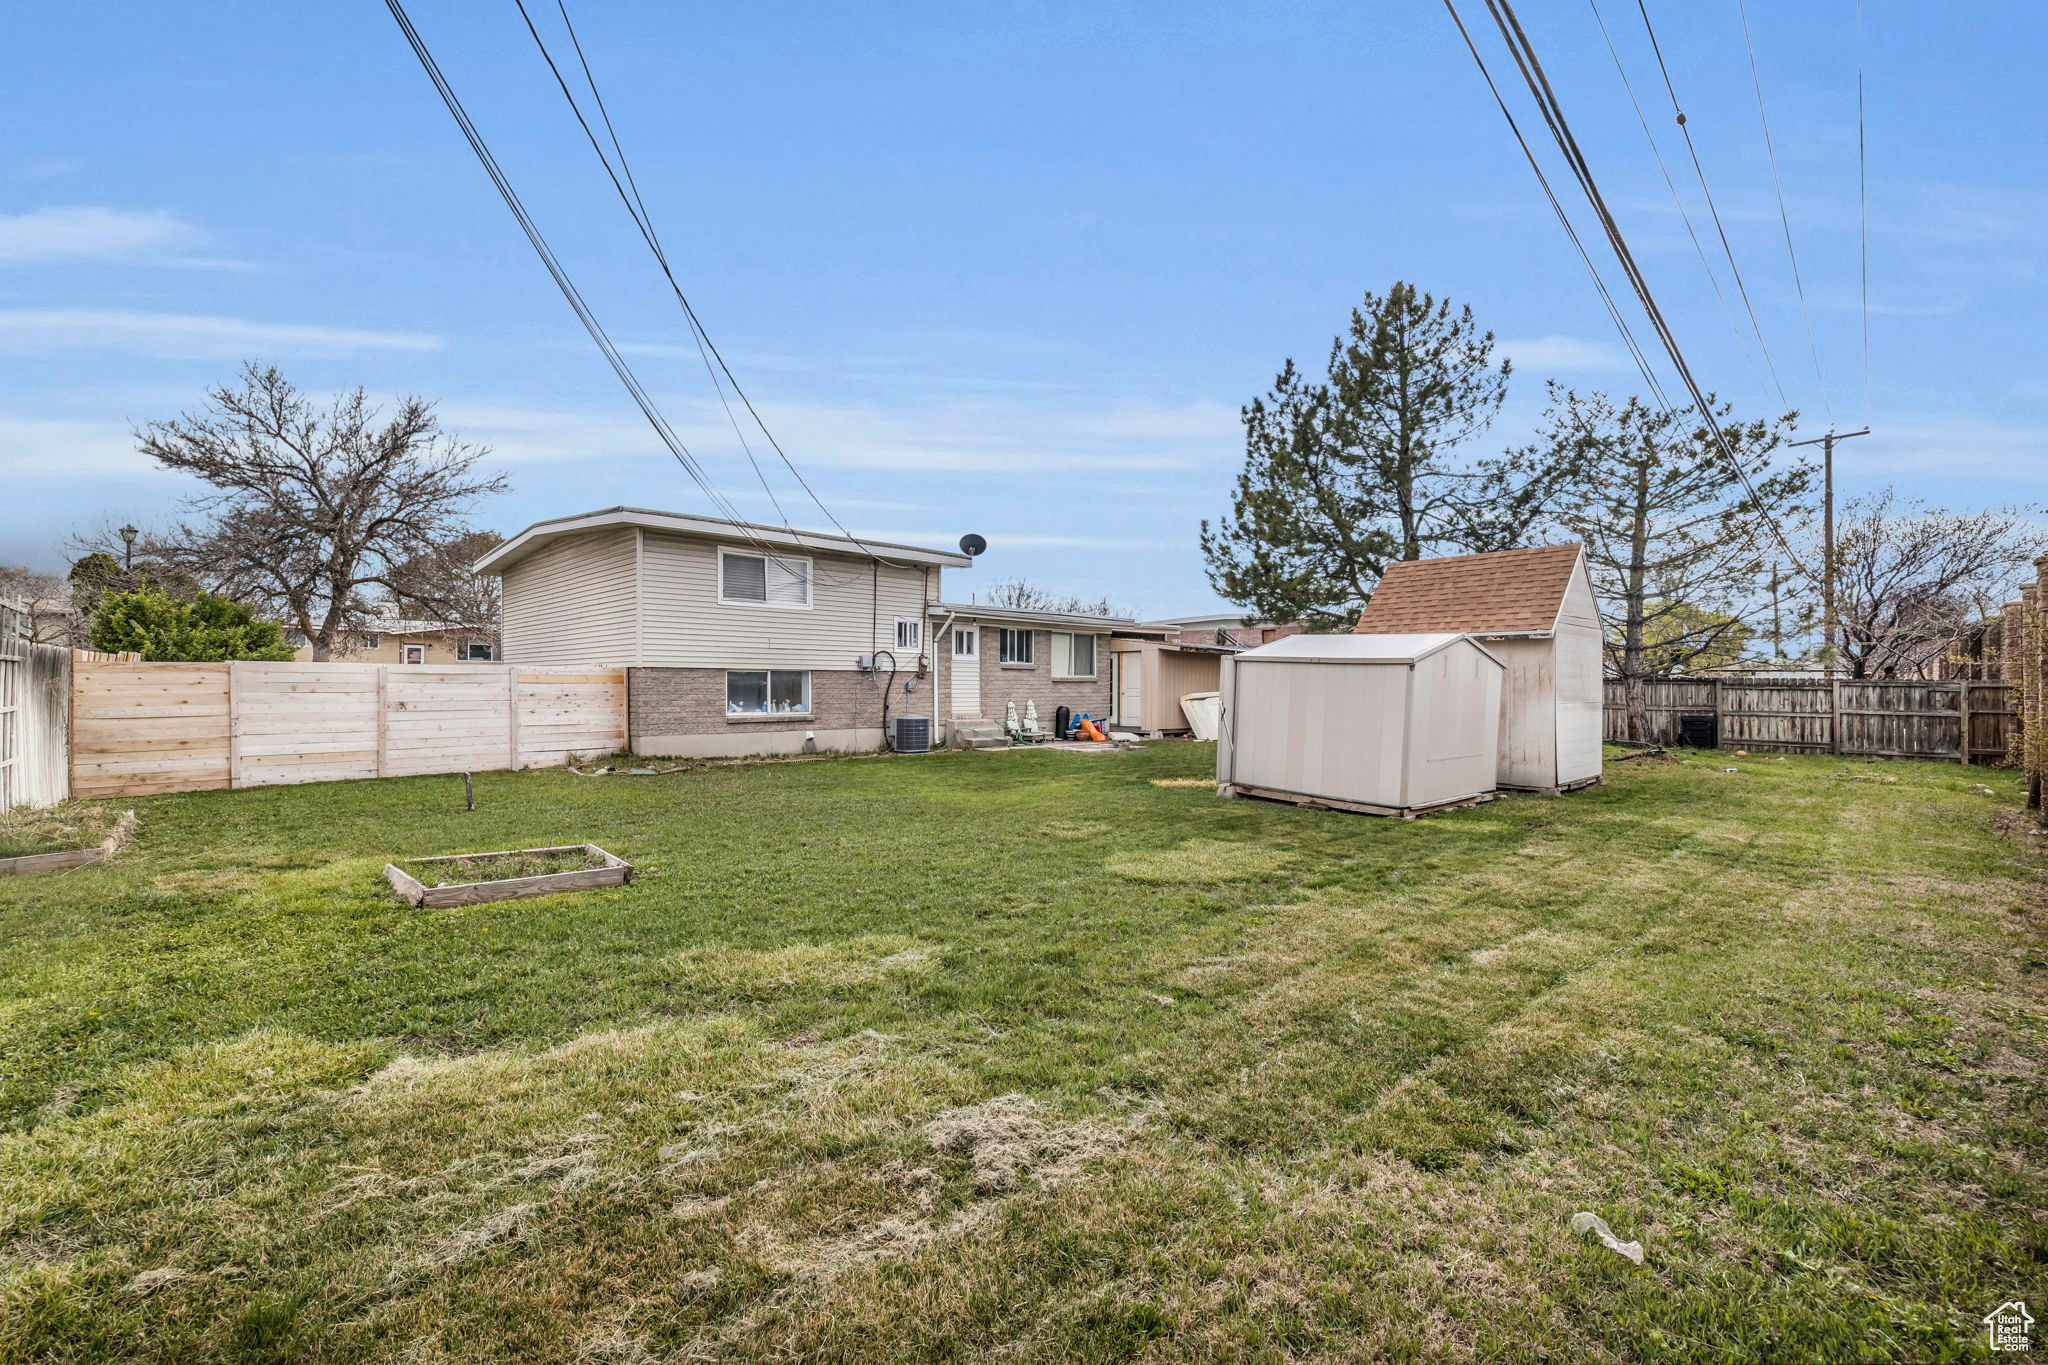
[1130, 689]
[965, 661]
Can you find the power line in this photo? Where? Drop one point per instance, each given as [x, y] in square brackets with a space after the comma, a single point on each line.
[567, 286]
[1592, 271]
[1862, 214]
[1699, 171]
[1771, 152]
[1531, 67]
[636, 207]
[1678, 200]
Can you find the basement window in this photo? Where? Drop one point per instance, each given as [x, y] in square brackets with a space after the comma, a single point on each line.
[767, 692]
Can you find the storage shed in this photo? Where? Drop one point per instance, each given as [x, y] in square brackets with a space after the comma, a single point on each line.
[1151, 675]
[1384, 724]
[1535, 610]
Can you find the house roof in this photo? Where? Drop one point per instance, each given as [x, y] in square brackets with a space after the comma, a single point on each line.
[1392, 648]
[1506, 592]
[714, 528]
[1223, 622]
[975, 611]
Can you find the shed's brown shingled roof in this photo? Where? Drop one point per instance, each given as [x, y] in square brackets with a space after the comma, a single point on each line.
[1507, 590]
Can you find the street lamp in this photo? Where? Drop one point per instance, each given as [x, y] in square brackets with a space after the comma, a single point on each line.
[128, 534]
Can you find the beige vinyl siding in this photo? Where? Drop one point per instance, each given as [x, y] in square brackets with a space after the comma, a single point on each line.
[1578, 682]
[571, 602]
[684, 624]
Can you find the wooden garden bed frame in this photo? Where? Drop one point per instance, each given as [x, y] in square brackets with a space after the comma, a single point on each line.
[615, 872]
[103, 851]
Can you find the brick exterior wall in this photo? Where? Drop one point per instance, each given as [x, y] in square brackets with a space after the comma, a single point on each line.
[686, 706]
[1002, 682]
[1245, 637]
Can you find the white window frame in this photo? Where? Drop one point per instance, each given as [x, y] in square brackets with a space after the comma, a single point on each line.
[1030, 638]
[1063, 656]
[371, 639]
[969, 636]
[810, 582]
[470, 656]
[413, 654]
[915, 644]
[767, 689]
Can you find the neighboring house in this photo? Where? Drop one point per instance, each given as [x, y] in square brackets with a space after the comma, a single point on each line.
[1535, 611]
[409, 642]
[1229, 631]
[991, 657]
[738, 638]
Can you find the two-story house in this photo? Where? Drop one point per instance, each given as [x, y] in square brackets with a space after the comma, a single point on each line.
[742, 638]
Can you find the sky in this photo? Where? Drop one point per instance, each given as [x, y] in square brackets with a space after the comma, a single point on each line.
[1007, 268]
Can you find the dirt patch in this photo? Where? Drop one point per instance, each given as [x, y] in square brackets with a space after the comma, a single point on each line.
[1184, 782]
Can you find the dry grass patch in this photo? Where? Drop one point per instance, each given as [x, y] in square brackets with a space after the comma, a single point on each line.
[1197, 860]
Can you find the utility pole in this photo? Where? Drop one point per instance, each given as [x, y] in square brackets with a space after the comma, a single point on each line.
[1827, 536]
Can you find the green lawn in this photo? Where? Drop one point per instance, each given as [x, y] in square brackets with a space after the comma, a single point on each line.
[1031, 1055]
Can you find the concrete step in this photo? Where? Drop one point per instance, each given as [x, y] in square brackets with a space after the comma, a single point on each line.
[987, 742]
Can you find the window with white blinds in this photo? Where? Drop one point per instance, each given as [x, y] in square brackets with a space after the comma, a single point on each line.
[1073, 656]
[763, 580]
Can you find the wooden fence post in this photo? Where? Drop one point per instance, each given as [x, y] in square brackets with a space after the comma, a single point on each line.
[1720, 716]
[512, 714]
[1963, 715]
[1834, 715]
[234, 725]
[383, 714]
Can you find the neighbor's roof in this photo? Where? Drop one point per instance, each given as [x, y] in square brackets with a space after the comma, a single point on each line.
[975, 611]
[1507, 592]
[1358, 649]
[1223, 622]
[715, 528]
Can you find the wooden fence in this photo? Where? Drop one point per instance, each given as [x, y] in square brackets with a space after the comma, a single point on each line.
[1960, 721]
[34, 680]
[142, 728]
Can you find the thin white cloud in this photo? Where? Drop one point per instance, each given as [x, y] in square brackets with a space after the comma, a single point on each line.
[186, 336]
[41, 448]
[133, 236]
[1959, 447]
[1561, 355]
[951, 438]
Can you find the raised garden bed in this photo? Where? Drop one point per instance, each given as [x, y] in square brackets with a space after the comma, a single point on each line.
[61, 826]
[472, 878]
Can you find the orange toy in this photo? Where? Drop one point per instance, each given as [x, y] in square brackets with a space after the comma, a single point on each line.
[1088, 729]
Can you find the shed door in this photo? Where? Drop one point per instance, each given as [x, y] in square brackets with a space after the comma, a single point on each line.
[1130, 688]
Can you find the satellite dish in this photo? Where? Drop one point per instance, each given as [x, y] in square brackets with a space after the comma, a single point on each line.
[972, 544]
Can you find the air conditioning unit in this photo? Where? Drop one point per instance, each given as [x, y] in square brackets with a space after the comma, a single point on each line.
[911, 734]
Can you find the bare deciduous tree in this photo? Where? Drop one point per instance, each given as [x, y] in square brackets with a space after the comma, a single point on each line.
[1677, 547]
[441, 584]
[52, 616]
[314, 509]
[1020, 595]
[1911, 579]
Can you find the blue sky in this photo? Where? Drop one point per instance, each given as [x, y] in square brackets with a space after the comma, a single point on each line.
[1006, 268]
